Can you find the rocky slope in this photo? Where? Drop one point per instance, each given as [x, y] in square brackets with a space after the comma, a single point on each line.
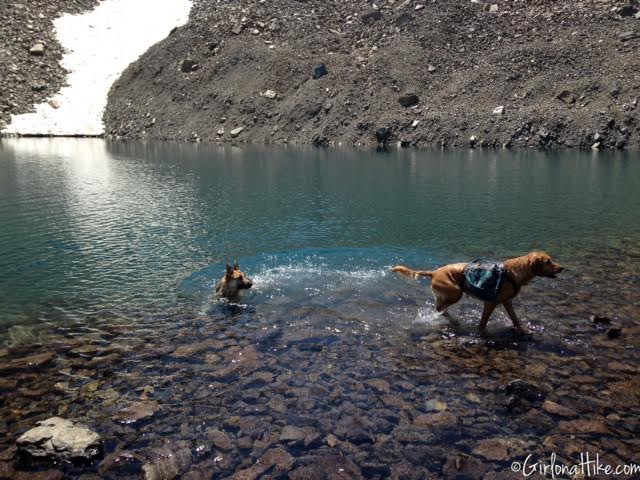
[29, 53]
[564, 73]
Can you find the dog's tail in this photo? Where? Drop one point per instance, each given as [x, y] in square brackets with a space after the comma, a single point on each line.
[411, 272]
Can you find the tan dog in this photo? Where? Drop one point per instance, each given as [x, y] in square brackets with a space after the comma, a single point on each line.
[448, 283]
[233, 281]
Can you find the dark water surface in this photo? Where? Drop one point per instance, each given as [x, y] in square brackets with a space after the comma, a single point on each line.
[108, 257]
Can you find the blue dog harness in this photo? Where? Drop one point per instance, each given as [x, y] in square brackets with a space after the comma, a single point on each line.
[485, 279]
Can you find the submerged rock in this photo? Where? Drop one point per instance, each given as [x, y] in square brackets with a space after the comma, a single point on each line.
[557, 409]
[276, 458]
[137, 411]
[60, 439]
[168, 462]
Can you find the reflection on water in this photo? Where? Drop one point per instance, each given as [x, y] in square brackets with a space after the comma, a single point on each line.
[109, 255]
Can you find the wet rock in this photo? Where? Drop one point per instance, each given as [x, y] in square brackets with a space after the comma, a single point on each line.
[219, 439]
[493, 449]
[379, 385]
[137, 411]
[167, 462]
[614, 333]
[409, 100]
[463, 466]
[382, 136]
[37, 49]
[60, 439]
[436, 405]
[320, 141]
[524, 390]
[290, 433]
[319, 71]
[354, 429]
[601, 319]
[436, 420]
[277, 458]
[28, 362]
[557, 409]
[236, 131]
[583, 426]
[120, 463]
[191, 349]
[536, 421]
[188, 66]
[242, 361]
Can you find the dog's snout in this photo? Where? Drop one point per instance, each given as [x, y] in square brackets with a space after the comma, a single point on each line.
[559, 268]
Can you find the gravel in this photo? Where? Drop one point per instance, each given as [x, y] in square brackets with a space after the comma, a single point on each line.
[460, 58]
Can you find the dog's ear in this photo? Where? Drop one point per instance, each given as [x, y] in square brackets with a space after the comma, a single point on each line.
[536, 261]
[235, 265]
[229, 270]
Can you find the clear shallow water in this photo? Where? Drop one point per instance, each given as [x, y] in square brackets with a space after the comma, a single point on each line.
[109, 253]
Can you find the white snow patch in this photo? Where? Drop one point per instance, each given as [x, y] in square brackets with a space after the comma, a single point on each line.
[100, 45]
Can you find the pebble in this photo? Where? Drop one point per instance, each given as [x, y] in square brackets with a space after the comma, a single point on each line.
[236, 131]
[37, 49]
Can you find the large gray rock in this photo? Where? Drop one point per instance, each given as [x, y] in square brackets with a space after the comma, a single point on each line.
[62, 439]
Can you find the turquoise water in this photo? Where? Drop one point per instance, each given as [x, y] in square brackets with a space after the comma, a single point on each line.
[89, 225]
[109, 253]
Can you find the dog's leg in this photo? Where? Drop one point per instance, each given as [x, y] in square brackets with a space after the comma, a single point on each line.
[508, 306]
[488, 309]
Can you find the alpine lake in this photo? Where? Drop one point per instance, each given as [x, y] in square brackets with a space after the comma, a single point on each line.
[331, 366]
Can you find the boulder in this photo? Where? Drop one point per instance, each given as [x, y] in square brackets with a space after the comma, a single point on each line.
[409, 100]
[60, 439]
[319, 71]
[188, 66]
[236, 131]
[37, 49]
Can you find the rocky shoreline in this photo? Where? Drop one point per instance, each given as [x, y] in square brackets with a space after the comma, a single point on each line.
[543, 74]
[30, 70]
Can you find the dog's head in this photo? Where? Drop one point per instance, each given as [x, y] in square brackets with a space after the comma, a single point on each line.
[543, 265]
[235, 279]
